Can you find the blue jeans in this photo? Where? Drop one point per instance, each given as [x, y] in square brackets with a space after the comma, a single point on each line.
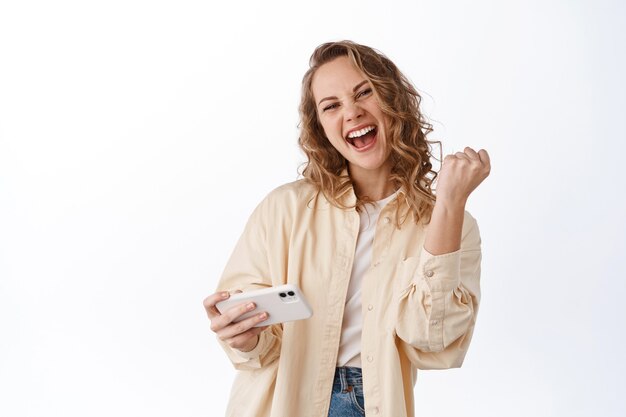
[347, 399]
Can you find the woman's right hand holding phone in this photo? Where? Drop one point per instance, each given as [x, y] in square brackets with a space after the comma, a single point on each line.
[242, 335]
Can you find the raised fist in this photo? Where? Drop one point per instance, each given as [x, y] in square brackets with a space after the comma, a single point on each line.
[461, 173]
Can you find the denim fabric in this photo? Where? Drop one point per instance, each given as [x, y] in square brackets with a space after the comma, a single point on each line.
[347, 397]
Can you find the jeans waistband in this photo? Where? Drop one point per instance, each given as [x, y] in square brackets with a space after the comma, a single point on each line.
[348, 375]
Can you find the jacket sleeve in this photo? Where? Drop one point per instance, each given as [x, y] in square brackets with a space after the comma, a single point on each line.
[438, 302]
[248, 269]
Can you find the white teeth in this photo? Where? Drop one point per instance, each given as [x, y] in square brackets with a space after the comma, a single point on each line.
[361, 132]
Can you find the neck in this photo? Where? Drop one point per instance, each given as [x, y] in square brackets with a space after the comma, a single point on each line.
[374, 184]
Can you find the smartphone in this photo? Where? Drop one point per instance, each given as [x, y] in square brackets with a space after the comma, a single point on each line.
[283, 303]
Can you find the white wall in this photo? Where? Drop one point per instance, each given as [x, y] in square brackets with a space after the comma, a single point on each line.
[137, 136]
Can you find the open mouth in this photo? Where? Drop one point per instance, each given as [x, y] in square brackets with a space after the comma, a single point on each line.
[363, 138]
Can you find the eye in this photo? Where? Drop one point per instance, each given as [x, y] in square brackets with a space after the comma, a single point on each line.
[365, 92]
[330, 107]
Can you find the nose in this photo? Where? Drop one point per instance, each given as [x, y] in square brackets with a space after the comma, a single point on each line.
[352, 111]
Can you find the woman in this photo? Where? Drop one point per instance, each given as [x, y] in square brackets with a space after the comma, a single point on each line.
[390, 270]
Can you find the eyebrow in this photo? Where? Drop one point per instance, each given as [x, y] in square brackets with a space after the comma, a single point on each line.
[335, 97]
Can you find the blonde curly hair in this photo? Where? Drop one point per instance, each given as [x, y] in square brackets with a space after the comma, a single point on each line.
[406, 135]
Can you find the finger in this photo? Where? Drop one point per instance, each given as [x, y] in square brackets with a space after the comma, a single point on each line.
[471, 154]
[211, 300]
[461, 155]
[235, 329]
[484, 157]
[231, 315]
[242, 339]
[448, 158]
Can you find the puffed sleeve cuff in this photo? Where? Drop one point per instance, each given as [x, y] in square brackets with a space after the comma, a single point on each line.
[438, 301]
[441, 273]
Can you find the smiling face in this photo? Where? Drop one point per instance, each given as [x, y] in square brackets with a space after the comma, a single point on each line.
[351, 117]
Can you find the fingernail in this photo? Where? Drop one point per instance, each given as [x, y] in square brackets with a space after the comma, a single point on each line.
[250, 305]
[225, 294]
[263, 316]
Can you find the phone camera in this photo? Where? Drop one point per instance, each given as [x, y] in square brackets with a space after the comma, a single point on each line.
[282, 294]
[291, 293]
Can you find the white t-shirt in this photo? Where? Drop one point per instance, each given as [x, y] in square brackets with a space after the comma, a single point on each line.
[350, 343]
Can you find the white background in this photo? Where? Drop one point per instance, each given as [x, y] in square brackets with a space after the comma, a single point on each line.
[137, 136]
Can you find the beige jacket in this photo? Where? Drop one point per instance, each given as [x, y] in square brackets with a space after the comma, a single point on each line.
[419, 309]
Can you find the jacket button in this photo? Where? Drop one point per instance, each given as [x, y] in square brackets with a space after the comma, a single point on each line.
[370, 358]
[429, 274]
[386, 220]
[375, 410]
[370, 307]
